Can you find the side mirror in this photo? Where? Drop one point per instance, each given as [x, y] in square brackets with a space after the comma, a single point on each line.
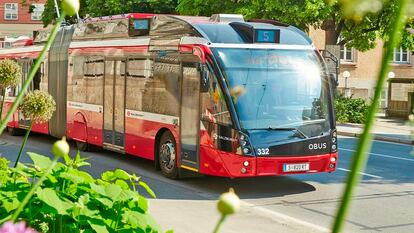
[205, 79]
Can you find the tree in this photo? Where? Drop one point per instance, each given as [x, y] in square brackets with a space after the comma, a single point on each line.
[359, 26]
[96, 8]
[49, 14]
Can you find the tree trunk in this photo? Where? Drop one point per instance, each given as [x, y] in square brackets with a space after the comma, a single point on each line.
[331, 35]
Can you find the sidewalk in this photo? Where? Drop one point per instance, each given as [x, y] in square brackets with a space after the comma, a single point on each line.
[385, 129]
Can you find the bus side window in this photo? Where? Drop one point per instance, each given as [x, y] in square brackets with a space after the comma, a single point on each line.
[213, 104]
[93, 78]
[76, 85]
[43, 85]
[137, 73]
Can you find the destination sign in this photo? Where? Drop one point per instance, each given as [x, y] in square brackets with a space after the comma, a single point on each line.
[141, 24]
[267, 36]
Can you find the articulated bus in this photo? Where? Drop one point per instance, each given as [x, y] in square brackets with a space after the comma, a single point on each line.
[216, 95]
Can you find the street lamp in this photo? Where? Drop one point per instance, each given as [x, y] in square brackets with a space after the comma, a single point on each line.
[346, 75]
[391, 74]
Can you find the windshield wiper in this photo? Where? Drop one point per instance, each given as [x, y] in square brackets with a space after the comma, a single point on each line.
[308, 122]
[298, 133]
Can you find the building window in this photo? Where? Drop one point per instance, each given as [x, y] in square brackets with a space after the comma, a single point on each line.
[401, 55]
[347, 54]
[37, 11]
[11, 11]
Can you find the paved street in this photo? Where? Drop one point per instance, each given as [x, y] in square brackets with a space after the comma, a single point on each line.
[304, 203]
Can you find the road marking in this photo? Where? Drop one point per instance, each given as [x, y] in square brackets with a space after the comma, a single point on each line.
[382, 155]
[362, 173]
[283, 218]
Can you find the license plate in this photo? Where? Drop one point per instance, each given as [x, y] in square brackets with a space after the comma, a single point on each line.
[296, 167]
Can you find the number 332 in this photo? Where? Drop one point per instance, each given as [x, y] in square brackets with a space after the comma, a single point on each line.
[262, 151]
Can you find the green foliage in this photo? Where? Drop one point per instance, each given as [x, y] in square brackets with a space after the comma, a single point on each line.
[359, 29]
[93, 8]
[71, 200]
[350, 110]
[38, 106]
[49, 14]
[4, 164]
[10, 73]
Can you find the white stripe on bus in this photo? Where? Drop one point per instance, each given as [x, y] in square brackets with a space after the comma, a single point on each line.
[27, 49]
[148, 116]
[10, 99]
[84, 106]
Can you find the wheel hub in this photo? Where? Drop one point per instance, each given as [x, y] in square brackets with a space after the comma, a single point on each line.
[167, 156]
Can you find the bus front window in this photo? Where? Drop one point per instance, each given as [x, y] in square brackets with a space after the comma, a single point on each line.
[213, 106]
[277, 89]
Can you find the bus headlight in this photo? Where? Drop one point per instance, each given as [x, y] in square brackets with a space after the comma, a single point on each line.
[246, 151]
[334, 146]
[245, 144]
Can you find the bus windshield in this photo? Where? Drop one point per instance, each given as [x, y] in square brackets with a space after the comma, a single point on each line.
[277, 89]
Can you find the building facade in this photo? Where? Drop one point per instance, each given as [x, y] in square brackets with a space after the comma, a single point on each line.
[17, 20]
[361, 71]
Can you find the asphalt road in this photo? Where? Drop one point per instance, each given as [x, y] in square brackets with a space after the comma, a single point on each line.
[383, 202]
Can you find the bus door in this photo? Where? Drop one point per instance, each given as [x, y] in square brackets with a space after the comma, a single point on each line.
[190, 116]
[26, 66]
[114, 105]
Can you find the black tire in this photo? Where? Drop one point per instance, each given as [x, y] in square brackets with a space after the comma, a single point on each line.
[167, 154]
[14, 131]
[82, 146]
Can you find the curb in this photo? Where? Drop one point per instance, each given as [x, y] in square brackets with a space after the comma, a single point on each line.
[379, 138]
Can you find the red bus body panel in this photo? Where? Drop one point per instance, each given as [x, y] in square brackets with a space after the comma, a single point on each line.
[219, 163]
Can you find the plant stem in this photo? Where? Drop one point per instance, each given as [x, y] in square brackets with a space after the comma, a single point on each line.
[360, 157]
[118, 218]
[23, 143]
[32, 73]
[220, 222]
[33, 189]
[2, 103]
[60, 224]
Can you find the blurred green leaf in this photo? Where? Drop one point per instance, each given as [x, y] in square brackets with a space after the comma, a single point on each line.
[98, 226]
[108, 176]
[105, 201]
[72, 177]
[50, 197]
[68, 160]
[135, 219]
[10, 204]
[40, 161]
[98, 188]
[113, 191]
[122, 183]
[121, 174]
[147, 188]
[143, 204]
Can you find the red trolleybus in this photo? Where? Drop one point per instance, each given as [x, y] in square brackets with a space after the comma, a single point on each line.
[219, 96]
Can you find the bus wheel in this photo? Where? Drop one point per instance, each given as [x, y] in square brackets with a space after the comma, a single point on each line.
[82, 146]
[14, 131]
[167, 155]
